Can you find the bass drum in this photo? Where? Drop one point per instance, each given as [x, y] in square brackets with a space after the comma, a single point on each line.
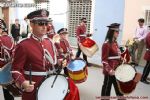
[88, 47]
[59, 90]
[127, 78]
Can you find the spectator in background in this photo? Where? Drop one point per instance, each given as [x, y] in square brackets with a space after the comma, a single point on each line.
[25, 29]
[140, 34]
[15, 30]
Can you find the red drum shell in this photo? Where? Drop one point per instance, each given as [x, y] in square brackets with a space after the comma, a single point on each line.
[88, 42]
[88, 47]
[125, 53]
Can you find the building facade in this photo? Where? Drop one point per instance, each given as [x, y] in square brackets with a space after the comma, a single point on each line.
[77, 10]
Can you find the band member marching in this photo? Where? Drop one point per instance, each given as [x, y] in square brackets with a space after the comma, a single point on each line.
[147, 58]
[50, 29]
[81, 35]
[6, 51]
[110, 60]
[35, 58]
[66, 51]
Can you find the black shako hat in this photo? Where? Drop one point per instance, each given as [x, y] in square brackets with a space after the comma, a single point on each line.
[41, 14]
[114, 26]
[62, 31]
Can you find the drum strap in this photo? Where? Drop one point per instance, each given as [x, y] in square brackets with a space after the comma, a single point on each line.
[38, 73]
[83, 35]
[114, 57]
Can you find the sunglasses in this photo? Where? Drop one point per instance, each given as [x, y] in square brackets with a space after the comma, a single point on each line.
[41, 23]
[117, 31]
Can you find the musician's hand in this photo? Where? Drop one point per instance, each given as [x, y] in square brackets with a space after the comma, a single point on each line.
[27, 86]
[123, 60]
[64, 63]
[111, 72]
[72, 57]
[136, 40]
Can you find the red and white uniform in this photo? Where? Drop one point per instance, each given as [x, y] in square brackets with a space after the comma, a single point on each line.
[66, 48]
[81, 32]
[147, 53]
[30, 55]
[110, 56]
[6, 49]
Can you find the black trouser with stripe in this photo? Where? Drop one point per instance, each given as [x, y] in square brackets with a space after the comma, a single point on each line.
[7, 95]
[106, 88]
[146, 71]
[79, 52]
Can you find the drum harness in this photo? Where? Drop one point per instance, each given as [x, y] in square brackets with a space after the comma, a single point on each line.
[50, 71]
[53, 71]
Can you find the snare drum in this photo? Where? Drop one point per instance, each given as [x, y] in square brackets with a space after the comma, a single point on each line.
[7, 81]
[58, 92]
[125, 75]
[77, 70]
[88, 47]
[5, 74]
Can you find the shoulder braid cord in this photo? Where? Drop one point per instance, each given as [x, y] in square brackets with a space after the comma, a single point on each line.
[49, 57]
[6, 57]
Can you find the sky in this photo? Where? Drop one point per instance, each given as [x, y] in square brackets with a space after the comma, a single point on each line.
[57, 11]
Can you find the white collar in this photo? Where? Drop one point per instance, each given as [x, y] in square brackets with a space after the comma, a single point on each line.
[37, 38]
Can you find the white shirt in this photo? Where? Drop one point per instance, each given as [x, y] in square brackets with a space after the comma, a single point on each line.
[141, 32]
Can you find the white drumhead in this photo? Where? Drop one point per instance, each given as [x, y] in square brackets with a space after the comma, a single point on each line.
[125, 73]
[58, 92]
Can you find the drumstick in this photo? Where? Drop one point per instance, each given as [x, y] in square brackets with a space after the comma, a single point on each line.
[124, 58]
[55, 78]
[57, 74]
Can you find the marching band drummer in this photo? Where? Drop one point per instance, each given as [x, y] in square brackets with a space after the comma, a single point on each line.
[147, 58]
[81, 35]
[65, 46]
[110, 60]
[35, 58]
[50, 29]
[6, 50]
